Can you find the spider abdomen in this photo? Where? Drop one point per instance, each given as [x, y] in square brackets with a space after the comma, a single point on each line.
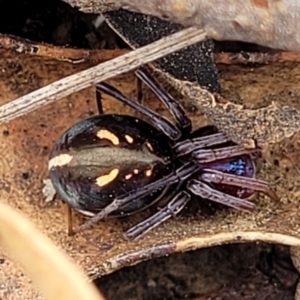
[104, 157]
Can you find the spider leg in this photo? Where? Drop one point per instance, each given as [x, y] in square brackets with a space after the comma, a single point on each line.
[157, 120]
[215, 176]
[181, 174]
[69, 219]
[206, 156]
[190, 145]
[173, 208]
[139, 90]
[177, 111]
[203, 190]
[99, 102]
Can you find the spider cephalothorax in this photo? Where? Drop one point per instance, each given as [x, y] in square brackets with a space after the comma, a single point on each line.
[119, 164]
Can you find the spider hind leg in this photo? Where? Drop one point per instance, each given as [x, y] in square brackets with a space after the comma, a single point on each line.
[172, 209]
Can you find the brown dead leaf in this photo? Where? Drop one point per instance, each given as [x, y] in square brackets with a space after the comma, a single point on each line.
[25, 147]
[275, 118]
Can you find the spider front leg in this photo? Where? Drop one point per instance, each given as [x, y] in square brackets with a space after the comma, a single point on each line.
[214, 176]
[187, 146]
[179, 175]
[206, 156]
[204, 191]
[173, 208]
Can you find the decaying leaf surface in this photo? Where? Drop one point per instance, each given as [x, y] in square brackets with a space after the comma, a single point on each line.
[22, 46]
[101, 250]
[271, 23]
[270, 122]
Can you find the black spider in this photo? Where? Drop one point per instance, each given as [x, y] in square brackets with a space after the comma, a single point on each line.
[119, 164]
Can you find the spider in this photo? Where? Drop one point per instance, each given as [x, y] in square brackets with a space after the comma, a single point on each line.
[116, 165]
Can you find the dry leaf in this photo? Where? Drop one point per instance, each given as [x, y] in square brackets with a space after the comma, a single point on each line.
[266, 22]
[101, 250]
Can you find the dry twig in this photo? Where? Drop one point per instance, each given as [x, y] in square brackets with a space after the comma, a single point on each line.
[101, 72]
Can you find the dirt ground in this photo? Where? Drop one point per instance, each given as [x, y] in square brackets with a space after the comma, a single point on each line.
[244, 271]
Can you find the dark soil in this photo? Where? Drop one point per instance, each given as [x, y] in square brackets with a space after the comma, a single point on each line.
[249, 271]
[54, 22]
